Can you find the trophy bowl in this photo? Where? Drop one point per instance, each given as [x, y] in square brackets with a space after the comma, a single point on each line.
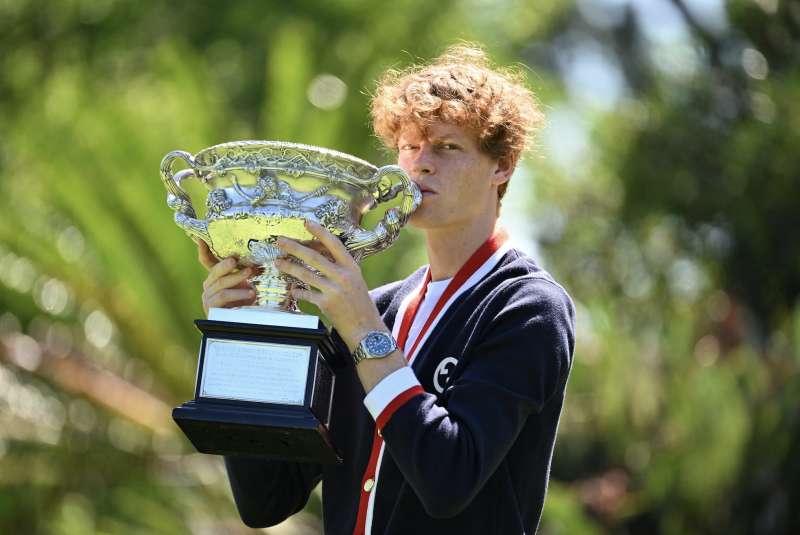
[259, 190]
[265, 376]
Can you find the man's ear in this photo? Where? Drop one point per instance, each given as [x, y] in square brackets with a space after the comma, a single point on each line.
[503, 170]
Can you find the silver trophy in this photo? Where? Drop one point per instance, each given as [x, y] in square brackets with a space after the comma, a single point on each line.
[266, 373]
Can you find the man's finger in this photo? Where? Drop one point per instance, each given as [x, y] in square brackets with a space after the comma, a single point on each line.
[331, 242]
[308, 255]
[310, 296]
[225, 298]
[219, 270]
[233, 280]
[302, 273]
[205, 256]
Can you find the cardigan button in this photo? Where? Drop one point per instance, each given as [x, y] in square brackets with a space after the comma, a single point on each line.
[368, 484]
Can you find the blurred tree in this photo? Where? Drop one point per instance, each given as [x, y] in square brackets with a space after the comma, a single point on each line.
[721, 159]
[675, 233]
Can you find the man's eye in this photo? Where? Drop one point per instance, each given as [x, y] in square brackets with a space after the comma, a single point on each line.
[407, 146]
[450, 146]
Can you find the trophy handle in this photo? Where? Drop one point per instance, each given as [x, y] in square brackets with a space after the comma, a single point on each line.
[178, 200]
[361, 242]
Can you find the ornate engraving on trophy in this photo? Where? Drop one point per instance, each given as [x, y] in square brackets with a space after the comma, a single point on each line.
[217, 202]
[259, 190]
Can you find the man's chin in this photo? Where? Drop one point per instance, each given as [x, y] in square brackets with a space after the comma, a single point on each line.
[417, 221]
[423, 219]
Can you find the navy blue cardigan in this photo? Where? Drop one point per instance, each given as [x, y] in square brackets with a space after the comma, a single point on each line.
[473, 459]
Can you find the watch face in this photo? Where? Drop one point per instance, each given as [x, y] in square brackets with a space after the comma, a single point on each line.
[378, 343]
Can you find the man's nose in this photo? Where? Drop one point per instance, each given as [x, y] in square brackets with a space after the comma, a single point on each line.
[423, 162]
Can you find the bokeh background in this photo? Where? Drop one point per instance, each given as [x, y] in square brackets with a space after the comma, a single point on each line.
[664, 193]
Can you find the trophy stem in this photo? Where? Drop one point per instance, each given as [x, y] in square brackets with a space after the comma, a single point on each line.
[272, 290]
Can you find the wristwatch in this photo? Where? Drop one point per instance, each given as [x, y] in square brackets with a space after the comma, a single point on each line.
[375, 345]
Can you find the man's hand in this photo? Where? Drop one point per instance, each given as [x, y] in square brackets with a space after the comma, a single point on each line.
[339, 290]
[224, 287]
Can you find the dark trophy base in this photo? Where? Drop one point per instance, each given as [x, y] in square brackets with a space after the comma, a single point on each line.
[258, 421]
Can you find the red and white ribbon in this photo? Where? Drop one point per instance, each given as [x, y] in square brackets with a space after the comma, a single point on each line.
[397, 388]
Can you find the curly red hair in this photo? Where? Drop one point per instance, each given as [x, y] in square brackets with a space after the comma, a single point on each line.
[460, 87]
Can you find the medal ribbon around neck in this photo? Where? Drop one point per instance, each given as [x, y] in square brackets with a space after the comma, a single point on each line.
[481, 255]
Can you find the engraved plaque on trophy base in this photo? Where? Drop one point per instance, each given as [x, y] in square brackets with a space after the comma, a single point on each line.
[263, 390]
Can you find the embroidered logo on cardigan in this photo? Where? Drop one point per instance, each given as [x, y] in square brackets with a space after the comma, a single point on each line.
[441, 375]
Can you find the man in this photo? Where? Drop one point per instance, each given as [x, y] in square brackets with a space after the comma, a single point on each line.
[452, 429]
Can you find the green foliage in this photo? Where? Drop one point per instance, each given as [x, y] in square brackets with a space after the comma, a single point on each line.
[675, 236]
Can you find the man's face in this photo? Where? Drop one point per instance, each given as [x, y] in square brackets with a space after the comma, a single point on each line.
[458, 181]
